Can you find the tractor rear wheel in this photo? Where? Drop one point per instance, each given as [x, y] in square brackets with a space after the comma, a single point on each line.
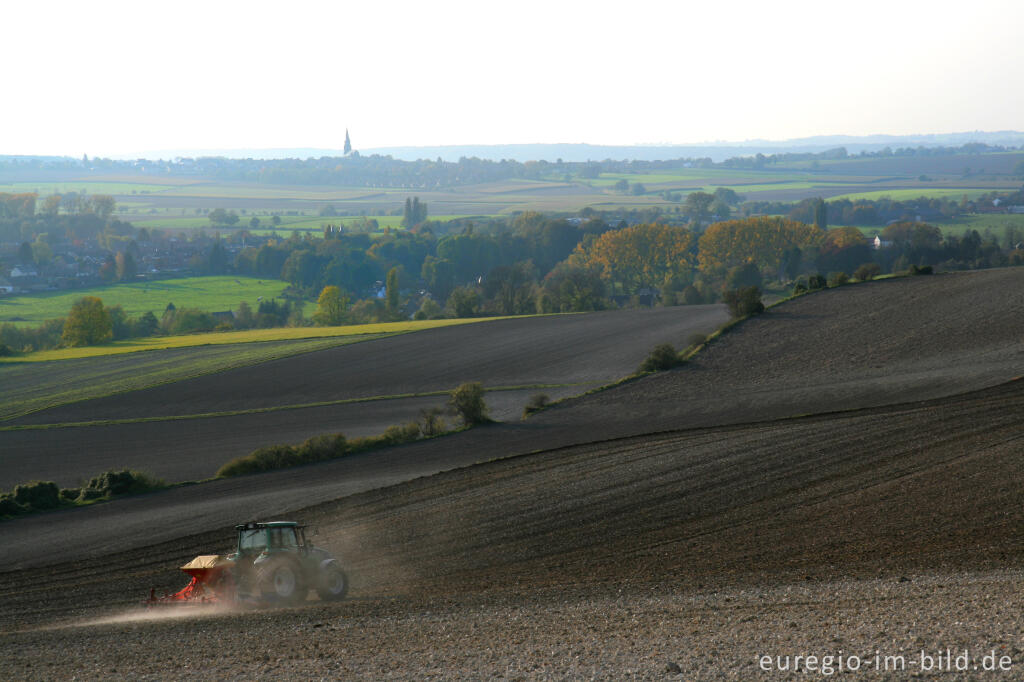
[281, 582]
[333, 584]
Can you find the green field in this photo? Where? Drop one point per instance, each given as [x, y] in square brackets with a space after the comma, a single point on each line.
[207, 293]
[88, 187]
[909, 194]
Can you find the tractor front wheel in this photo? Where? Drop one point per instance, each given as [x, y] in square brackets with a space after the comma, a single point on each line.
[281, 582]
[333, 584]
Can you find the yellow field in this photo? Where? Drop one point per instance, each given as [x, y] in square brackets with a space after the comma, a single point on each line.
[250, 336]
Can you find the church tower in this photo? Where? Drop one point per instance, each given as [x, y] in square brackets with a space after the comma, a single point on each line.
[348, 143]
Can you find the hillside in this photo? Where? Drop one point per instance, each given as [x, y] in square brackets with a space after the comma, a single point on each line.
[558, 355]
[688, 518]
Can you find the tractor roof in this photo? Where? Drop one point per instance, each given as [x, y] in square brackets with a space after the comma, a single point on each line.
[252, 525]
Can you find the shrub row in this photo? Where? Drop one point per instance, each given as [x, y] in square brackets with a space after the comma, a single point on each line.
[317, 449]
[467, 401]
[43, 495]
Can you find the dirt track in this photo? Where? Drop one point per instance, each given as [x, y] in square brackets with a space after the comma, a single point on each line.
[893, 528]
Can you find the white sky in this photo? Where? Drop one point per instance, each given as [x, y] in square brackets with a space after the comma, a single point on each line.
[111, 78]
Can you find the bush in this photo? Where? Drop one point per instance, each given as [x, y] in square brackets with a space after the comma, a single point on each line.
[320, 448]
[663, 357]
[8, 507]
[838, 279]
[113, 483]
[431, 422]
[867, 272]
[692, 295]
[536, 404]
[743, 302]
[5, 351]
[742, 276]
[37, 495]
[815, 282]
[920, 270]
[262, 459]
[401, 433]
[799, 288]
[467, 401]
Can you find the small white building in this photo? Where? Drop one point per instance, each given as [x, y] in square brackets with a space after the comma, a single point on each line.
[881, 243]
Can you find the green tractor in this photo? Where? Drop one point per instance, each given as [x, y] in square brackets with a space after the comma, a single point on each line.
[273, 563]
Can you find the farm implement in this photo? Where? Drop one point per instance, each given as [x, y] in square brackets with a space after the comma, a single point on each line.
[273, 563]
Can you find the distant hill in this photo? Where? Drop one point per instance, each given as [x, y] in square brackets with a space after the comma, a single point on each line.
[716, 151]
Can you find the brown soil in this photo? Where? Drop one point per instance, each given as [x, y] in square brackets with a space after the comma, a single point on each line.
[575, 351]
[890, 527]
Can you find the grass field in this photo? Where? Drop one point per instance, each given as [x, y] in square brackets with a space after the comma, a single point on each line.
[206, 293]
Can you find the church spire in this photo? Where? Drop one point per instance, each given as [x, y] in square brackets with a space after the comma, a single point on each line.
[348, 143]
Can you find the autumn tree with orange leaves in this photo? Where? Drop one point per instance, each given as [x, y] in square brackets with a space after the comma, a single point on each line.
[765, 241]
[640, 255]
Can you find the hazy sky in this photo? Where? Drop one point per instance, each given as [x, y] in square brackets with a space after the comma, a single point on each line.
[111, 78]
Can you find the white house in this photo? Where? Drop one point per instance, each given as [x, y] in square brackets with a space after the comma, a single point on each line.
[882, 243]
[22, 271]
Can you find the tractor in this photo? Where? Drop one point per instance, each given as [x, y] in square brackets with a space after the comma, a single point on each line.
[273, 563]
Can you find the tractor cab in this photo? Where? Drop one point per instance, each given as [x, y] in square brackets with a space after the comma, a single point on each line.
[272, 536]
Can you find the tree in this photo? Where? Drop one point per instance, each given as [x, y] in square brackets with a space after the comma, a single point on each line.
[640, 255]
[391, 289]
[51, 205]
[125, 265]
[765, 241]
[87, 324]
[820, 214]
[415, 212]
[25, 255]
[244, 317]
[103, 205]
[746, 275]
[119, 324]
[217, 259]
[511, 288]
[463, 302]
[330, 307]
[145, 325]
[572, 288]
[697, 205]
[219, 216]
[467, 401]
[729, 196]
